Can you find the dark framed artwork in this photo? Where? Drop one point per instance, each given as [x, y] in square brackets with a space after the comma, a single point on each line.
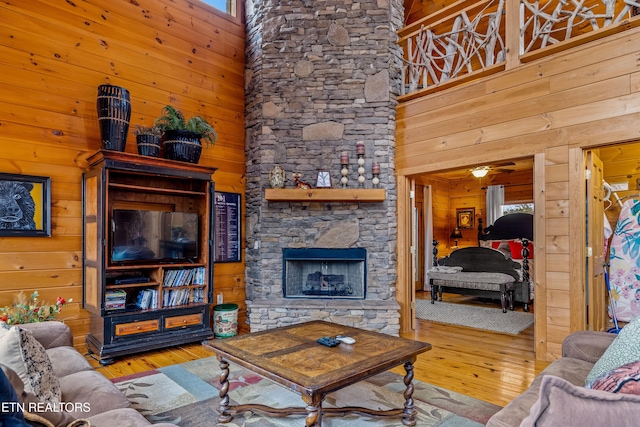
[25, 205]
[228, 231]
[465, 217]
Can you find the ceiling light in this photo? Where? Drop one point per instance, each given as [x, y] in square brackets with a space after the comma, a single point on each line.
[480, 171]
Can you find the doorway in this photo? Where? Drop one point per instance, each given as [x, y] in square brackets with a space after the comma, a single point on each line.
[449, 194]
[612, 200]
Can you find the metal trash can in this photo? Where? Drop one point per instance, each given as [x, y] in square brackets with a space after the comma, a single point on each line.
[225, 320]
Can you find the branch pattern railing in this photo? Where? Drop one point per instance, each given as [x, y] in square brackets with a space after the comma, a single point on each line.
[474, 38]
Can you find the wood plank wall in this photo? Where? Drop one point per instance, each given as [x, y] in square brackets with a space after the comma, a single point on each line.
[53, 55]
[587, 96]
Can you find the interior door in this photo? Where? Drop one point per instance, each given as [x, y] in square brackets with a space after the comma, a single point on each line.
[419, 255]
[596, 295]
[414, 253]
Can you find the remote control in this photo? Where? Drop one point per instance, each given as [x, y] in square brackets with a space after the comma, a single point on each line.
[329, 342]
[345, 339]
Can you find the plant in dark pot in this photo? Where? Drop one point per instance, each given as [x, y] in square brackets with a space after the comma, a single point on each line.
[148, 140]
[182, 138]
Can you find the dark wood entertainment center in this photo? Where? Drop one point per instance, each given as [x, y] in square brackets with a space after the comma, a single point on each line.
[117, 180]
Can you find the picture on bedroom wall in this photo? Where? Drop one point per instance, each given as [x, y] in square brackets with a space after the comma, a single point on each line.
[465, 217]
[25, 205]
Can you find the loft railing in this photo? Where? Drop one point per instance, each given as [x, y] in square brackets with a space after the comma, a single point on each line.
[468, 39]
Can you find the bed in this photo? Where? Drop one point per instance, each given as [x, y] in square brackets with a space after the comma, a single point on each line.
[498, 268]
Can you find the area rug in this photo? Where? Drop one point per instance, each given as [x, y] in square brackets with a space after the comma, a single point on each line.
[187, 395]
[492, 319]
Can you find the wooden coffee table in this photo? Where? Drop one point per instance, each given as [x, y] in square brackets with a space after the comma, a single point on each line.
[291, 357]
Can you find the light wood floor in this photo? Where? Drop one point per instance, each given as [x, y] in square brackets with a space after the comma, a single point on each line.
[489, 366]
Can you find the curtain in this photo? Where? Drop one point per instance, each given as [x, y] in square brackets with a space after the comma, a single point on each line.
[495, 200]
[428, 234]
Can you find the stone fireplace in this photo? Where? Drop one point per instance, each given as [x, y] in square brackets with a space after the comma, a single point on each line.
[324, 273]
[321, 76]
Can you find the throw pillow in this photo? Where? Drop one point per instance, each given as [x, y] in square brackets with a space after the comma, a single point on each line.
[516, 249]
[625, 379]
[446, 269]
[624, 349]
[561, 403]
[20, 351]
[505, 249]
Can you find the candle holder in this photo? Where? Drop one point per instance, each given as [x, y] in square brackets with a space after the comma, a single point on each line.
[375, 171]
[361, 170]
[345, 171]
[344, 162]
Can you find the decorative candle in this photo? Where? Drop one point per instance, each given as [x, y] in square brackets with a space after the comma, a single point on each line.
[344, 158]
[360, 147]
[375, 167]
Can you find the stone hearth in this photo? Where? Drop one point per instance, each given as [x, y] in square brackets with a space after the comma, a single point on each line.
[321, 76]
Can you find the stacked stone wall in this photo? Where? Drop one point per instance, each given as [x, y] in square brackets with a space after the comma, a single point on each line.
[321, 75]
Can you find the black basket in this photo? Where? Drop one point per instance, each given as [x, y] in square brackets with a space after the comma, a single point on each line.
[183, 146]
[114, 112]
[148, 145]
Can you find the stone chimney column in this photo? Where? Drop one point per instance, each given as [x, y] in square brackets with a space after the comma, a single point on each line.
[321, 76]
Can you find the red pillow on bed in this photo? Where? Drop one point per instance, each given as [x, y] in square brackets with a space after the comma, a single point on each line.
[516, 248]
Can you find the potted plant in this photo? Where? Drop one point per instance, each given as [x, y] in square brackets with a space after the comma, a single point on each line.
[182, 138]
[148, 140]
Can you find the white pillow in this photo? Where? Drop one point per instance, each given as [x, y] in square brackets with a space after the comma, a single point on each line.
[446, 269]
[20, 351]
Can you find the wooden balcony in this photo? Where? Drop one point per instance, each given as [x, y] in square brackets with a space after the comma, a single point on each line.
[469, 39]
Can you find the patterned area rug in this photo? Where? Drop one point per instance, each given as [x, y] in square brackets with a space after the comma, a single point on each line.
[491, 319]
[187, 395]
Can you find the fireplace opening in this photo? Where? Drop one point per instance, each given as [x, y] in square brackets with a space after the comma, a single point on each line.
[324, 273]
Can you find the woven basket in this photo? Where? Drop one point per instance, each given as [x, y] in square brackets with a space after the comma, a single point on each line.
[183, 146]
[148, 145]
[114, 112]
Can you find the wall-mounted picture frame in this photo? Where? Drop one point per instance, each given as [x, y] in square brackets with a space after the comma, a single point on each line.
[465, 217]
[25, 205]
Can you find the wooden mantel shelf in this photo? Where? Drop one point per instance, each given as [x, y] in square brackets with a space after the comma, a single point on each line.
[325, 195]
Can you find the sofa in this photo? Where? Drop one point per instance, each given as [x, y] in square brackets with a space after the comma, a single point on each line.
[558, 395]
[83, 393]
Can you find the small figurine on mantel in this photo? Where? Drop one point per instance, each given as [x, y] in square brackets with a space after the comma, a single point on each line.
[300, 184]
[277, 177]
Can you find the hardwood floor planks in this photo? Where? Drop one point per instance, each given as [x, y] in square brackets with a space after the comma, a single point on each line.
[489, 366]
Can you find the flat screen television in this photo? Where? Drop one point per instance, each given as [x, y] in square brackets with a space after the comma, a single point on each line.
[153, 236]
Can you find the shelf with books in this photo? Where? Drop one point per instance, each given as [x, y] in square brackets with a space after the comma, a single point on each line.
[147, 299]
[183, 296]
[183, 277]
[132, 285]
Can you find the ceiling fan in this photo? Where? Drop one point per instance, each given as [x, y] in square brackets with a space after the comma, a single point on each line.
[482, 171]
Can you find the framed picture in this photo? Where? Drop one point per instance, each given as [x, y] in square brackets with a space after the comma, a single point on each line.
[465, 217]
[25, 205]
[324, 179]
